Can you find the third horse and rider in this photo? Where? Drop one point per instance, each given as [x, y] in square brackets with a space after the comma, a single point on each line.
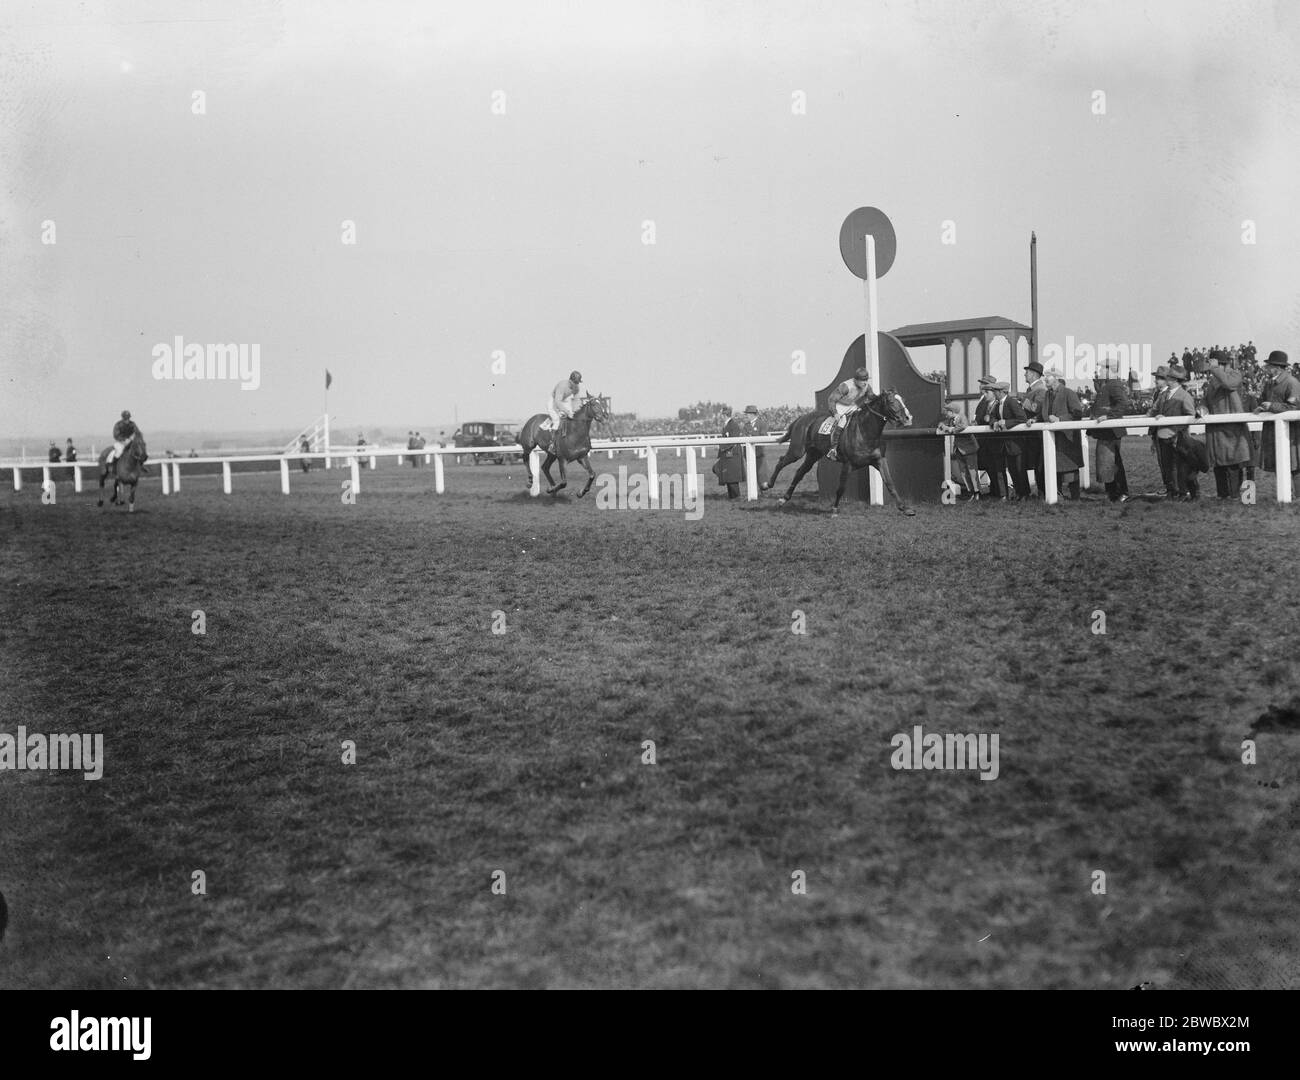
[124, 460]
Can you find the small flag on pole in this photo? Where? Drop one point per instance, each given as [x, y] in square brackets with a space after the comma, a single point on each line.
[328, 378]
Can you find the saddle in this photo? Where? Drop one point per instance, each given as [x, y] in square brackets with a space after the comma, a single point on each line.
[548, 436]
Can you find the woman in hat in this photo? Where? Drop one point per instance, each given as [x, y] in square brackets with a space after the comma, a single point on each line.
[1228, 445]
[1281, 394]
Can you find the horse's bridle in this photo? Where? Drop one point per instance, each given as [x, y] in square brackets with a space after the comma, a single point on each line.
[884, 416]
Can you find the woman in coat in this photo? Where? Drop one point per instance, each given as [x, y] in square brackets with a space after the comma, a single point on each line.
[1228, 444]
[1062, 403]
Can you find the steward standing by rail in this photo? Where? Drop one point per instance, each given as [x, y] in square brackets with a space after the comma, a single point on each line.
[1173, 401]
[1281, 394]
[1228, 444]
[1032, 400]
[1111, 403]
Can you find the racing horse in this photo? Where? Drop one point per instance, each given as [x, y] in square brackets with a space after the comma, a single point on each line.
[860, 444]
[126, 470]
[573, 445]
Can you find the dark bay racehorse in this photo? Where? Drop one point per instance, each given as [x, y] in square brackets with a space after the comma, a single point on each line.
[125, 470]
[860, 444]
[574, 445]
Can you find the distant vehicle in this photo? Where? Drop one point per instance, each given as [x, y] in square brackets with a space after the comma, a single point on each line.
[487, 433]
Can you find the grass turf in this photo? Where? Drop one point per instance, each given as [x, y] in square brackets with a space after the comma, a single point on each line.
[522, 751]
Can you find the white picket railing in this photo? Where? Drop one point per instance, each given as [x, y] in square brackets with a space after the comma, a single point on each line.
[648, 448]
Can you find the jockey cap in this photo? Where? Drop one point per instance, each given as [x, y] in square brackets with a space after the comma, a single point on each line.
[575, 376]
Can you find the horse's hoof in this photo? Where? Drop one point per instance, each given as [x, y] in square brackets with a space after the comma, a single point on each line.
[835, 512]
[907, 510]
[781, 502]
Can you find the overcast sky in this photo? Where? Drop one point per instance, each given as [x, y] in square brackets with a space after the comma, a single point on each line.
[499, 162]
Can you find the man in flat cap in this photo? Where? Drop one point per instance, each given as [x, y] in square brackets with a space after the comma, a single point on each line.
[1008, 453]
[1281, 394]
[1111, 403]
[1032, 400]
[1173, 400]
[989, 455]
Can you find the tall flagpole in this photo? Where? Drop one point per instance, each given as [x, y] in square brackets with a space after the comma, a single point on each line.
[1033, 296]
[327, 418]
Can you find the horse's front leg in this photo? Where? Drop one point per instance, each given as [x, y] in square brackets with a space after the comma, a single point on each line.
[810, 459]
[591, 475]
[845, 468]
[551, 486]
[883, 466]
[786, 459]
[130, 506]
[102, 477]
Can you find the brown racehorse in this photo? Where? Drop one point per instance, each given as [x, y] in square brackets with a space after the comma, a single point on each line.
[574, 444]
[125, 470]
[860, 444]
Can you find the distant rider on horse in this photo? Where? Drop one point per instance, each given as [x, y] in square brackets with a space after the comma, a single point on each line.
[845, 400]
[124, 433]
[565, 400]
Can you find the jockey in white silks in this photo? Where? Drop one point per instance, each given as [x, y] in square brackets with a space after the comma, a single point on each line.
[845, 400]
[123, 432]
[565, 399]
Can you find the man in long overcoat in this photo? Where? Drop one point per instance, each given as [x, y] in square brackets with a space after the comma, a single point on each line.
[989, 455]
[1032, 400]
[1111, 403]
[1228, 444]
[1005, 413]
[1281, 394]
[1173, 401]
[730, 466]
[1062, 403]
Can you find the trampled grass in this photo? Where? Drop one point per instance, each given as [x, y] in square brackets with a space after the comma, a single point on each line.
[522, 751]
